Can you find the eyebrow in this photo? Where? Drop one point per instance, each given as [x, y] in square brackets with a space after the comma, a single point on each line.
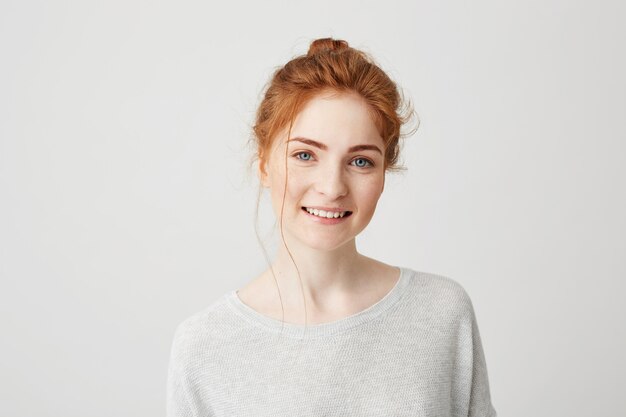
[323, 147]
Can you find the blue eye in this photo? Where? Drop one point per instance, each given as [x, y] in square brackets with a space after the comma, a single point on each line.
[299, 154]
[363, 163]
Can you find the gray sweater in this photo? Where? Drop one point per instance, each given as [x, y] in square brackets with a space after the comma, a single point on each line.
[416, 352]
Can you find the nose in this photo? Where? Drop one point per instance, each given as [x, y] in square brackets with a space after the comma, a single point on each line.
[331, 182]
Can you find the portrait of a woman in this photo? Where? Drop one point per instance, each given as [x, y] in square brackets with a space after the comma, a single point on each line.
[326, 330]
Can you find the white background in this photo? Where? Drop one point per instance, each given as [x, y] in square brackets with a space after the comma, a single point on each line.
[126, 203]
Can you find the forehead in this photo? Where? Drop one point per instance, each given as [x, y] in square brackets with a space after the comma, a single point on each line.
[339, 120]
[334, 116]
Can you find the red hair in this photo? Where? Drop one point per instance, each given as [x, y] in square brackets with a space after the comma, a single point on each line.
[331, 65]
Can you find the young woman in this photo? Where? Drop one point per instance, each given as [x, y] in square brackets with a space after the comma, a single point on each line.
[325, 330]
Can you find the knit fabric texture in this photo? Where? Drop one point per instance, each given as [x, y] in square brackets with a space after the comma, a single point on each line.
[416, 352]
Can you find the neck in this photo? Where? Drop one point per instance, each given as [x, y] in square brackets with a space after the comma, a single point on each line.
[325, 274]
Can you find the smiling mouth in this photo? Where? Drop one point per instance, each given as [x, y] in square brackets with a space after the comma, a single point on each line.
[327, 214]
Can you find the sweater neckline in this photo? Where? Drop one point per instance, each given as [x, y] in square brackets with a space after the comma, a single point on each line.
[322, 329]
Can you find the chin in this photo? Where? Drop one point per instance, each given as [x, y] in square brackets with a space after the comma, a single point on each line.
[324, 245]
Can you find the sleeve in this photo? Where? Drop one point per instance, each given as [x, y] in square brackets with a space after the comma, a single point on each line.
[472, 396]
[178, 400]
[480, 398]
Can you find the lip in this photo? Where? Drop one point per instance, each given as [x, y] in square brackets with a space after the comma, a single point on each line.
[327, 208]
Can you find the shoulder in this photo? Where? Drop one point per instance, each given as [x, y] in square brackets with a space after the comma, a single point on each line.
[438, 286]
[440, 294]
[201, 331]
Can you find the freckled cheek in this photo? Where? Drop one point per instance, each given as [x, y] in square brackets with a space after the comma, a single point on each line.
[295, 189]
[370, 193]
[277, 186]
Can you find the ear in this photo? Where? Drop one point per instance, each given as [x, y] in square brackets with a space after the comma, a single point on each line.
[263, 176]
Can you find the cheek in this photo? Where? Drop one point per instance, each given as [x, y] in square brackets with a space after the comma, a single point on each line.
[370, 191]
[277, 189]
[296, 186]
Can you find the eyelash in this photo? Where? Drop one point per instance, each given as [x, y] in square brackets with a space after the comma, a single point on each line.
[371, 164]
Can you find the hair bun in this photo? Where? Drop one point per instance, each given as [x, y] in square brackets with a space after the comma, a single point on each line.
[326, 44]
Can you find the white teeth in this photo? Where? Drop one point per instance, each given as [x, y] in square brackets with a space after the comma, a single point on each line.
[326, 214]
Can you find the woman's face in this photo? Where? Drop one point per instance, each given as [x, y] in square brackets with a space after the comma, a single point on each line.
[335, 167]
